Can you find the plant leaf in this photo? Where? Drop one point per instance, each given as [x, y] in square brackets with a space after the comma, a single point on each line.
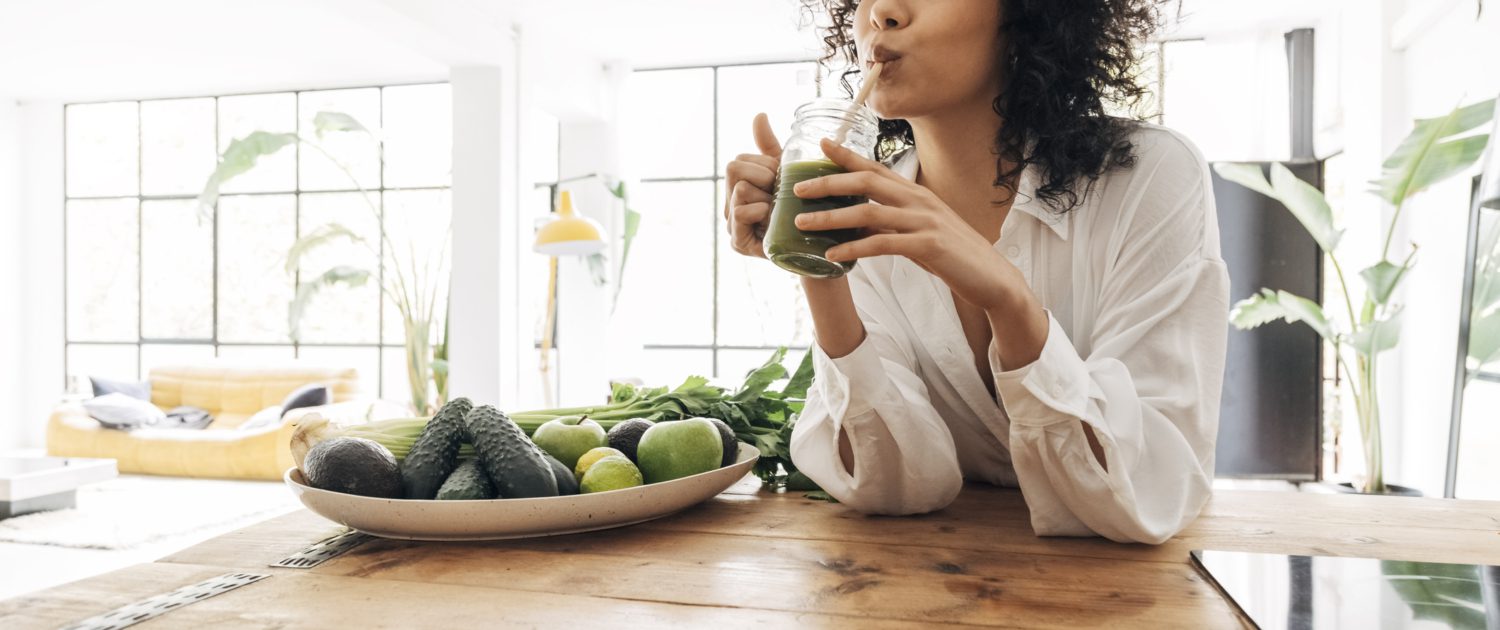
[318, 237]
[1247, 175]
[340, 275]
[1307, 204]
[238, 159]
[632, 226]
[326, 122]
[1377, 336]
[1429, 153]
[758, 379]
[1449, 594]
[801, 379]
[1269, 306]
[1302, 199]
[598, 269]
[1381, 279]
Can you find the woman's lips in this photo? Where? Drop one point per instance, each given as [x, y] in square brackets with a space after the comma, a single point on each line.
[881, 54]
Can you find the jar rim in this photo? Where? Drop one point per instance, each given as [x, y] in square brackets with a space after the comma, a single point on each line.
[838, 108]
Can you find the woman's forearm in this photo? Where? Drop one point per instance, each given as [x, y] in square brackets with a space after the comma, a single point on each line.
[837, 324]
[1018, 322]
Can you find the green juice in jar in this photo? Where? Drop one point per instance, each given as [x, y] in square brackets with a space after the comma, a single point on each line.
[802, 251]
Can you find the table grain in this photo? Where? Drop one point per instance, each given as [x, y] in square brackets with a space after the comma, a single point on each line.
[748, 558]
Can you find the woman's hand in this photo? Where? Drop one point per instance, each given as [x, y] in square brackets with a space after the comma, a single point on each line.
[906, 219]
[749, 182]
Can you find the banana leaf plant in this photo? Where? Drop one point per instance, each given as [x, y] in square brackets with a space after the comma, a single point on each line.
[415, 280]
[597, 262]
[1436, 149]
[1484, 320]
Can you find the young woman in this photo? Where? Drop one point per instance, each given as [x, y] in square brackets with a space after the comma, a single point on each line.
[1039, 300]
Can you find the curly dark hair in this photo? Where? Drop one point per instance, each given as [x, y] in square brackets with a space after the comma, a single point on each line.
[1063, 61]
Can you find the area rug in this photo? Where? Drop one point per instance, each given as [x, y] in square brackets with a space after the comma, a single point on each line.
[135, 510]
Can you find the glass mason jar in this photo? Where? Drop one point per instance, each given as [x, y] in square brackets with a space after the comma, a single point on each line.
[803, 252]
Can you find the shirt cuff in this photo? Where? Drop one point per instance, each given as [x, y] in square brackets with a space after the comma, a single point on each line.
[849, 384]
[1051, 389]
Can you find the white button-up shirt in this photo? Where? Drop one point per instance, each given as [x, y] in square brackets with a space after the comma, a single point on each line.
[1137, 300]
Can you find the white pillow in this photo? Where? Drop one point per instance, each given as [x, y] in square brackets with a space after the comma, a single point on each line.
[122, 411]
[268, 417]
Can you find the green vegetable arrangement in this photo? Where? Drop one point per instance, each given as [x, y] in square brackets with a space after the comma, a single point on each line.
[757, 413]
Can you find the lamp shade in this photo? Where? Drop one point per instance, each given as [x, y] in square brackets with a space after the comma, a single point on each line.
[569, 234]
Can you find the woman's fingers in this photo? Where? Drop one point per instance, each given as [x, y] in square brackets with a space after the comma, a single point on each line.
[746, 181]
[854, 162]
[870, 216]
[764, 160]
[758, 175]
[765, 138]
[858, 184]
[745, 227]
[913, 246]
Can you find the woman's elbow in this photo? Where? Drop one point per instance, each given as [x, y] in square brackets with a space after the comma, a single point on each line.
[908, 495]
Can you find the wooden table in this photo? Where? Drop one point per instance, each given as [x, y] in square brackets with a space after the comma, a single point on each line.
[748, 558]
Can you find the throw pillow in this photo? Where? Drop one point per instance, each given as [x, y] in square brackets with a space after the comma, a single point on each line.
[310, 395]
[138, 390]
[119, 411]
[268, 417]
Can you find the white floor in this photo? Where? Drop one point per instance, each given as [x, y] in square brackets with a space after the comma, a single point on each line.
[26, 568]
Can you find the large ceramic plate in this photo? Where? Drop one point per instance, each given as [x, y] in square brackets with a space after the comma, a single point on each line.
[518, 518]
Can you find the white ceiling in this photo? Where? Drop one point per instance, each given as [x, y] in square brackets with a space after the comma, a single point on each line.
[97, 49]
[93, 49]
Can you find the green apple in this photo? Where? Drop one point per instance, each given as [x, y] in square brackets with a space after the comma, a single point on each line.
[568, 437]
[679, 448]
[614, 472]
[588, 459]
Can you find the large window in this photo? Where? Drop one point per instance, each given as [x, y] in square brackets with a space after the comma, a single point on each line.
[728, 311]
[149, 281]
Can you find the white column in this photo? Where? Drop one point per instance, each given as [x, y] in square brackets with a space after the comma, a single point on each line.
[41, 268]
[482, 343]
[10, 275]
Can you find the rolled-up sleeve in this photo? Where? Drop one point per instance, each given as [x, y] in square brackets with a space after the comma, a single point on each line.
[1148, 387]
[904, 458]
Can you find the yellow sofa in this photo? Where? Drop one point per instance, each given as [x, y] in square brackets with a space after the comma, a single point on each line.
[231, 394]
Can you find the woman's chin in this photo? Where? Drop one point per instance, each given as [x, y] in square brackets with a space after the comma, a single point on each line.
[894, 106]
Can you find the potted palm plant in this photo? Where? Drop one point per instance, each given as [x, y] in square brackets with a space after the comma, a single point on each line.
[1436, 149]
[416, 279]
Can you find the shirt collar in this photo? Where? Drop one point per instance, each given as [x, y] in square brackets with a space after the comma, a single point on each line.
[905, 165]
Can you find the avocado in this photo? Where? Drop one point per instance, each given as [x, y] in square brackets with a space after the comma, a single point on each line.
[467, 483]
[353, 466]
[566, 482]
[517, 467]
[731, 445]
[435, 453]
[626, 436]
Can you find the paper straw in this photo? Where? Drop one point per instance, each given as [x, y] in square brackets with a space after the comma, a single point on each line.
[859, 101]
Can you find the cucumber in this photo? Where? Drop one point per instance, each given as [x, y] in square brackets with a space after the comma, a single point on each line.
[467, 483]
[518, 468]
[566, 482]
[435, 453]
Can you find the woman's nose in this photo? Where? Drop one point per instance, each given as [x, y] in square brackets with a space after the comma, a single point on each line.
[888, 14]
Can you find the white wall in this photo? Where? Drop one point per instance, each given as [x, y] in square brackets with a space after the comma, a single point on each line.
[1451, 61]
[10, 275]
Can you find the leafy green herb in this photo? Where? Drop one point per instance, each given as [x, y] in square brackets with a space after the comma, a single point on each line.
[758, 413]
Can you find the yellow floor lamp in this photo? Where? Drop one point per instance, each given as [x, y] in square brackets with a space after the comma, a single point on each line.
[570, 234]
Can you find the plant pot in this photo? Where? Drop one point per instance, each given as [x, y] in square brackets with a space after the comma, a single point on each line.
[1391, 490]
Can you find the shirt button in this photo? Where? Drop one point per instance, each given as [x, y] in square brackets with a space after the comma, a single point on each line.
[1057, 390]
[1012, 252]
